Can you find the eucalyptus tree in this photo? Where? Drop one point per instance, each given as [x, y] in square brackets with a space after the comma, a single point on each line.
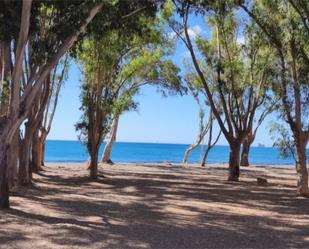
[113, 76]
[234, 76]
[146, 63]
[285, 26]
[98, 67]
[39, 33]
[57, 78]
[205, 127]
[246, 145]
[122, 104]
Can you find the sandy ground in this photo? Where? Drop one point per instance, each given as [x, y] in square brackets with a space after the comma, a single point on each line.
[156, 206]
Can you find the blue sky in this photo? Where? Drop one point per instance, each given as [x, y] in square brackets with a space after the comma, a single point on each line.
[159, 119]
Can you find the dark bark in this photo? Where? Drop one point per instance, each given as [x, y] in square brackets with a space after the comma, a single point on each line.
[289, 54]
[203, 162]
[237, 112]
[246, 145]
[234, 161]
[4, 183]
[94, 163]
[210, 144]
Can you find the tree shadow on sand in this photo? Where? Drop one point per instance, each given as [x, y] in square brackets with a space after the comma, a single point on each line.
[156, 210]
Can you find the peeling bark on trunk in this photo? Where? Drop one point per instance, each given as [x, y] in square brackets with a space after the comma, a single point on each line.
[234, 161]
[109, 145]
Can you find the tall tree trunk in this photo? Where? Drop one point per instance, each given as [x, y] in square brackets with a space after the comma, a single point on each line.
[246, 145]
[9, 124]
[5, 73]
[94, 163]
[13, 155]
[189, 151]
[41, 147]
[24, 172]
[245, 153]
[106, 158]
[43, 153]
[35, 151]
[301, 169]
[210, 144]
[234, 161]
[205, 156]
[4, 183]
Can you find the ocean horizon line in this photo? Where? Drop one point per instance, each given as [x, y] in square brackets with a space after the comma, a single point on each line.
[164, 143]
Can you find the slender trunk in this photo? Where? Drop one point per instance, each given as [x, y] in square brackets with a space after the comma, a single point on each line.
[4, 183]
[205, 156]
[5, 76]
[109, 145]
[201, 135]
[210, 144]
[94, 163]
[301, 169]
[41, 147]
[24, 173]
[245, 153]
[189, 151]
[13, 152]
[35, 151]
[9, 124]
[234, 161]
[43, 154]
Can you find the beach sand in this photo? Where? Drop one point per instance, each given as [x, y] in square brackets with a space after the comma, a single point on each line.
[157, 206]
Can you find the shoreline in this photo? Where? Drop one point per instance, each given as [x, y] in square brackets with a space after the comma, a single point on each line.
[211, 164]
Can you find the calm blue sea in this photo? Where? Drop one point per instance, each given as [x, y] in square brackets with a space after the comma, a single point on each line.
[74, 151]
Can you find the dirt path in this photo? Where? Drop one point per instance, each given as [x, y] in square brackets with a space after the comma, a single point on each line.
[156, 207]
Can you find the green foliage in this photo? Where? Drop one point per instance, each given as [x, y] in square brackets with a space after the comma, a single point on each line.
[167, 10]
[117, 64]
[283, 139]
[236, 72]
[284, 26]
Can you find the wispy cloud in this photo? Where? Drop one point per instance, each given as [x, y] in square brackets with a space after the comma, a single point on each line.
[194, 31]
[240, 40]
